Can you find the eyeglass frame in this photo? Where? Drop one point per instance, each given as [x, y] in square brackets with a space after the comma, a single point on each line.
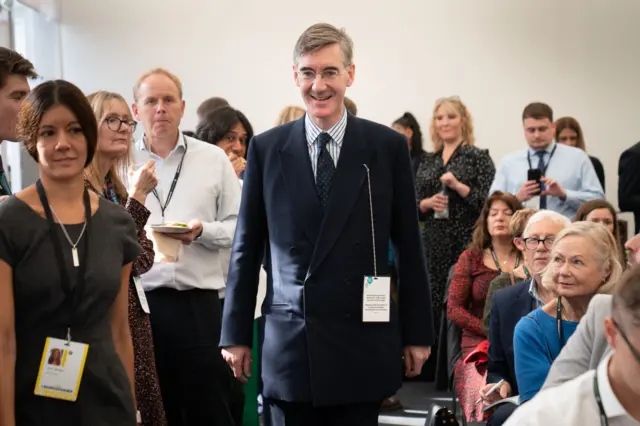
[131, 123]
[323, 74]
[538, 241]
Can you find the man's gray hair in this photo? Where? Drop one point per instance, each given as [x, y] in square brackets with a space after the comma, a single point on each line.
[322, 35]
[544, 215]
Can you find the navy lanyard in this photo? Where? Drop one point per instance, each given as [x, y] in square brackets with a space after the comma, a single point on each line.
[559, 322]
[71, 294]
[173, 183]
[544, 170]
[596, 392]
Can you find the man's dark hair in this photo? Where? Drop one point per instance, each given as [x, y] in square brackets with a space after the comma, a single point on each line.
[626, 299]
[12, 63]
[537, 111]
[210, 105]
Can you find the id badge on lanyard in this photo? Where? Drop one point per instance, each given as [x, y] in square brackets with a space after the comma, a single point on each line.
[63, 360]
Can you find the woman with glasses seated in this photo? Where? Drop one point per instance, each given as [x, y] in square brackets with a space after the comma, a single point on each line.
[105, 176]
[584, 262]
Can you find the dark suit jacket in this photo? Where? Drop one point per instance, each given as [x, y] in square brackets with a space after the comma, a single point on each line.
[599, 168]
[508, 306]
[316, 347]
[629, 182]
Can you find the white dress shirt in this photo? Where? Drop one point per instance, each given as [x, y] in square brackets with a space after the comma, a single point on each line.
[208, 190]
[574, 404]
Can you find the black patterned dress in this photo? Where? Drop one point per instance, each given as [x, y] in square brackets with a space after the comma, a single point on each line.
[445, 239]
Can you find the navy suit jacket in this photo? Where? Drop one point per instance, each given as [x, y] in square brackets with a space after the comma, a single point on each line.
[508, 306]
[316, 346]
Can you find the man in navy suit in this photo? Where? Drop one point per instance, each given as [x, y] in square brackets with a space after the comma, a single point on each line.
[322, 197]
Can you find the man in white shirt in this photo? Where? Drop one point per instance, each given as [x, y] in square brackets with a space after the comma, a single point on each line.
[198, 187]
[608, 395]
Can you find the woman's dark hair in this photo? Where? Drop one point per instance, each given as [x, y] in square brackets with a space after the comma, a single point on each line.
[588, 207]
[481, 239]
[46, 96]
[215, 125]
[571, 124]
[409, 121]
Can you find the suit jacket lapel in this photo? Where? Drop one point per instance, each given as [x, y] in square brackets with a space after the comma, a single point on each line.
[300, 182]
[349, 177]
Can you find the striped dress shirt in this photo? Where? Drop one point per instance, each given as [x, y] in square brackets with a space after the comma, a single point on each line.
[337, 136]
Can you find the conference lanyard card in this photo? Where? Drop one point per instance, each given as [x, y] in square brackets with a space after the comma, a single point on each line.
[376, 299]
[61, 369]
[142, 297]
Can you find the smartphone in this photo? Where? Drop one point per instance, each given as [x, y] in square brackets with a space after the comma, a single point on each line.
[534, 174]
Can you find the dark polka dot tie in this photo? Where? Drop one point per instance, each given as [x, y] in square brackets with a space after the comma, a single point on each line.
[325, 169]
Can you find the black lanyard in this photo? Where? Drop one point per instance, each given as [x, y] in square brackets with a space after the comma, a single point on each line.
[544, 170]
[596, 392]
[71, 294]
[559, 322]
[495, 260]
[173, 183]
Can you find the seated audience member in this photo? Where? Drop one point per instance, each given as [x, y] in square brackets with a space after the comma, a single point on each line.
[230, 130]
[588, 345]
[512, 303]
[629, 182]
[350, 106]
[601, 211]
[409, 126]
[562, 189]
[609, 394]
[516, 227]
[288, 114]
[584, 262]
[491, 252]
[569, 132]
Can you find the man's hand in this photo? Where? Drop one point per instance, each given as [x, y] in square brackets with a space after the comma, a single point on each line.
[414, 359]
[187, 238]
[553, 188]
[504, 391]
[528, 190]
[239, 359]
[633, 247]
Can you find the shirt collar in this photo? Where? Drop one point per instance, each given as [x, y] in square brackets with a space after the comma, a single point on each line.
[610, 403]
[336, 132]
[548, 149]
[142, 145]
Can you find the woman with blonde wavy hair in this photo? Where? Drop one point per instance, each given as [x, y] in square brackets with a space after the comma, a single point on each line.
[584, 262]
[105, 177]
[452, 184]
[288, 114]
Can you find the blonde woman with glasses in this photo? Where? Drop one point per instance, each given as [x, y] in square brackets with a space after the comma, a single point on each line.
[105, 177]
[452, 184]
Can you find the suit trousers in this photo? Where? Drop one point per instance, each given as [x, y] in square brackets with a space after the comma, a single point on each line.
[196, 384]
[284, 413]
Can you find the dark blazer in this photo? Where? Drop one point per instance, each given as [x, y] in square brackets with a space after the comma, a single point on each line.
[316, 347]
[629, 183]
[599, 168]
[508, 306]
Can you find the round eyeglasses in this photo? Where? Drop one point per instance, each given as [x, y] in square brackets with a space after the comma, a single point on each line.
[532, 243]
[115, 124]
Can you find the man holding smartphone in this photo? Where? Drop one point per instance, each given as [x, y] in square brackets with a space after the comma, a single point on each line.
[547, 175]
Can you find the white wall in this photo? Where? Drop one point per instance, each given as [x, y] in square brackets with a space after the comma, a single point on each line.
[580, 56]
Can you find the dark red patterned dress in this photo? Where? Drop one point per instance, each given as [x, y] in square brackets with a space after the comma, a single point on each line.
[148, 397]
[465, 307]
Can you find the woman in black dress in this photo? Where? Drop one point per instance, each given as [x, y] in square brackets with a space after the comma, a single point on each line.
[452, 184]
[65, 260]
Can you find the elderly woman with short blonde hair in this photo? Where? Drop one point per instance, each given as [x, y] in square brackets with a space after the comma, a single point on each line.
[584, 262]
